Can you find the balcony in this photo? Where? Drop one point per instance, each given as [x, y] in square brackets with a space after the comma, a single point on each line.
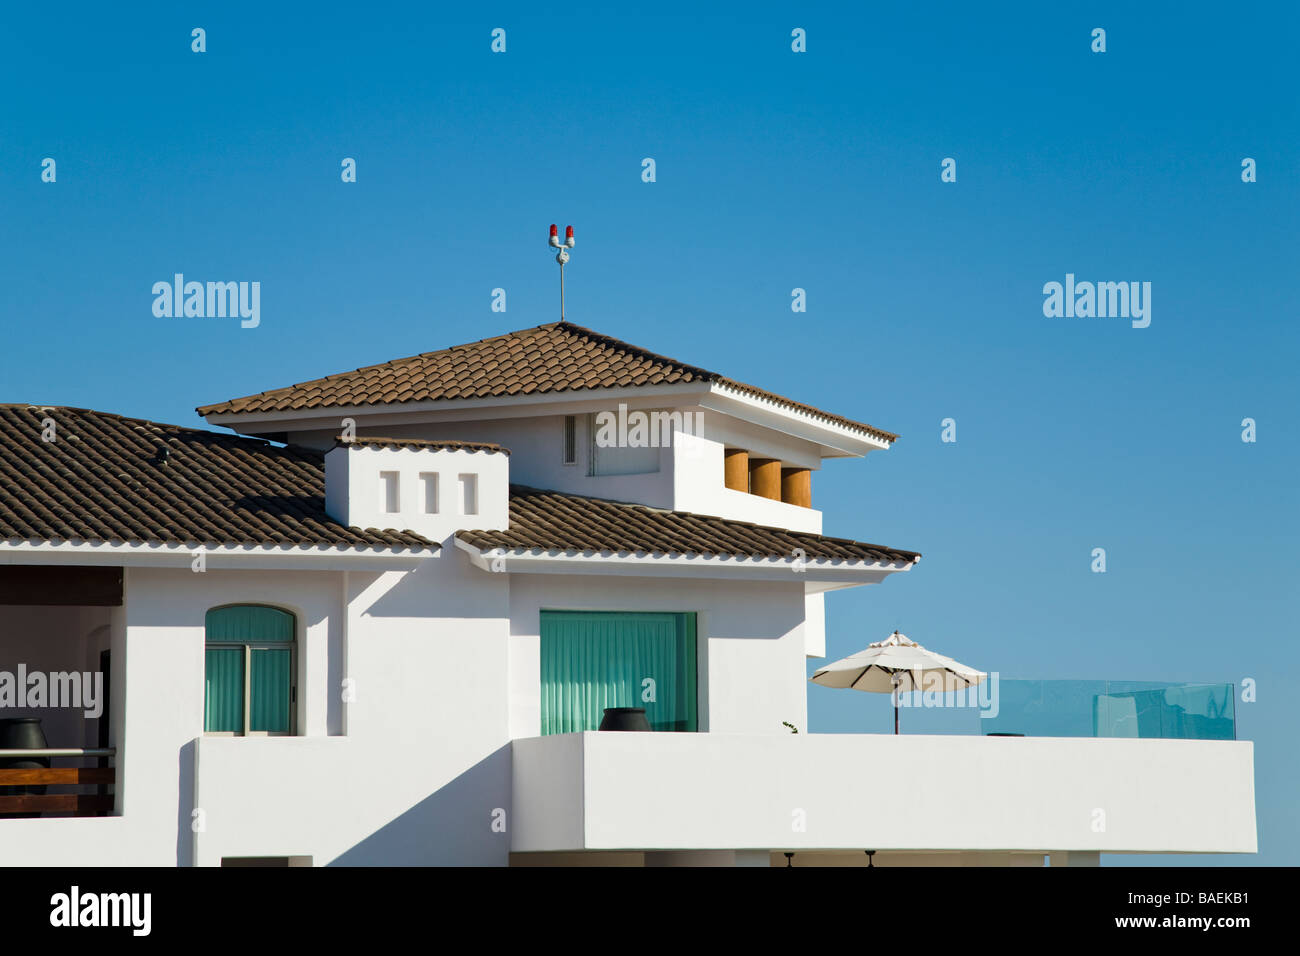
[852, 792]
[27, 792]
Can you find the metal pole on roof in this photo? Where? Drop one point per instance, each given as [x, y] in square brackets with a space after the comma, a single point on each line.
[562, 256]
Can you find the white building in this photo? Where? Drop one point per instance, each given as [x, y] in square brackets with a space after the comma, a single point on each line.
[396, 648]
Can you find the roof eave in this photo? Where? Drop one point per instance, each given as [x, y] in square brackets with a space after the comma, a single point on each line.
[837, 439]
[815, 574]
[160, 554]
[397, 413]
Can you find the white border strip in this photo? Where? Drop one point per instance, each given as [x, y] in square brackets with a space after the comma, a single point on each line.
[836, 570]
[821, 420]
[165, 554]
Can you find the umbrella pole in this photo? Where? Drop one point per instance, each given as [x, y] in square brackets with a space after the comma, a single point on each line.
[897, 683]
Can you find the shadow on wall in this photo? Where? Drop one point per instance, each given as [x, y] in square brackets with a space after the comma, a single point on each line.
[447, 586]
[465, 822]
[185, 822]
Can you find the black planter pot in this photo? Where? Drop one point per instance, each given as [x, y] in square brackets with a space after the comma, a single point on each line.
[625, 718]
[22, 733]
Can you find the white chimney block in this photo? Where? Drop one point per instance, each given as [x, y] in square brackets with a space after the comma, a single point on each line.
[432, 488]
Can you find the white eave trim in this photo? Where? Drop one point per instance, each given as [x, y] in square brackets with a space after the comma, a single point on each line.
[159, 554]
[817, 428]
[305, 419]
[859, 440]
[822, 574]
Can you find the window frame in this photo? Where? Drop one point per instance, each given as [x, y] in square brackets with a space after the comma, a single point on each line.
[248, 647]
[569, 441]
[594, 456]
[689, 620]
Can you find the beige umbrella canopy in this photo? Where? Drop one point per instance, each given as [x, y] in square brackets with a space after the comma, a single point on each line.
[897, 664]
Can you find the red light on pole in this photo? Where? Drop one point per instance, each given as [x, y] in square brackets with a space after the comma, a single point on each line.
[562, 256]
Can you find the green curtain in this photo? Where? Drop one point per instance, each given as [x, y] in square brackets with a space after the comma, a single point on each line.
[594, 659]
[223, 700]
[270, 676]
[270, 687]
[248, 622]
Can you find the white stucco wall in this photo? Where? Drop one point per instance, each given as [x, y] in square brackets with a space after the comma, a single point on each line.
[689, 475]
[749, 636]
[416, 779]
[866, 791]
[424, 763]
[814, 629]
[357, 490]
[420, 765]
[699, 486]
[536, 447]
[444, 667]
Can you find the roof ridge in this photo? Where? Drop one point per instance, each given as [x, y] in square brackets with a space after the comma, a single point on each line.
[601, 337]
[465, 345]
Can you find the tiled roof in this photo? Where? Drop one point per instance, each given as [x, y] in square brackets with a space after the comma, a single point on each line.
[551, 521]
[106, 478]
[434, 445]
[559, 357]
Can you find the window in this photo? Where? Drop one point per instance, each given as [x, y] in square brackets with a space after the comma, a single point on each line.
[612, 455]
[570, 439]
[250, 685]
[596, 659]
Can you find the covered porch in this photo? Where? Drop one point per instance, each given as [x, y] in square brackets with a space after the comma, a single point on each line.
[61, 644]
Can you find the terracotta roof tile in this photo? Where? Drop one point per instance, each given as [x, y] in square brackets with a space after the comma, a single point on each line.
[552, 521]
[559, 357]
[106, 478]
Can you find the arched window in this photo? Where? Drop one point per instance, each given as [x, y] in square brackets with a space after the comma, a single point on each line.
[250, 671]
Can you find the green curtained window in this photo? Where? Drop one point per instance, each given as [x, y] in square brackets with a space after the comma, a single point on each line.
[249, 670]
[596, 659]
[224, 695]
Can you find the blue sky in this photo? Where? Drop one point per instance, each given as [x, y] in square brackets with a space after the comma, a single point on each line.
[774, 170]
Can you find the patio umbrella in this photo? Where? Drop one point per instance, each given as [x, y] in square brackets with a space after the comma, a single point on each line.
[896, 665]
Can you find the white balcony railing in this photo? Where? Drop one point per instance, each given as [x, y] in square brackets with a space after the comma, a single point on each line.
[624, 791]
